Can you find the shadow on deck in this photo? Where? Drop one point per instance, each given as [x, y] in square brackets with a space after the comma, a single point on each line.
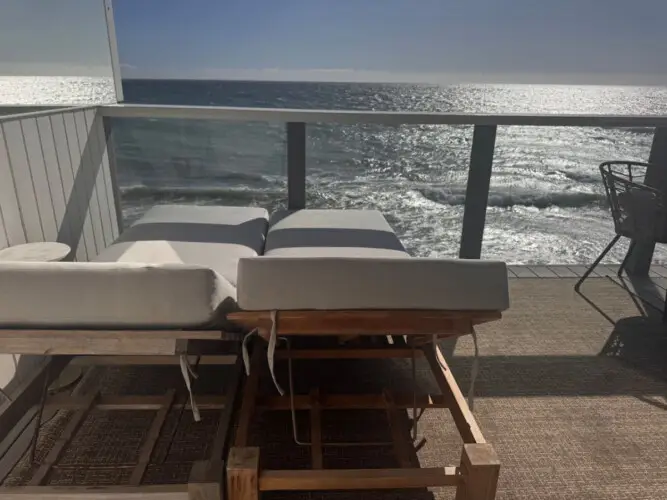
[572, 392]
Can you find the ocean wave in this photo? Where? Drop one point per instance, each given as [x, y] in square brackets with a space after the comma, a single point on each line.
[141, 194]
[570, 199]
[583, 177]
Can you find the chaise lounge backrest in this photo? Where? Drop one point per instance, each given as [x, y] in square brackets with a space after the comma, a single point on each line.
[351, 259]
[188, 266]
[174, 268]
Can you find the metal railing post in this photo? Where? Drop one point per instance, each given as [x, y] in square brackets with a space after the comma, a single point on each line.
[639, 261]
[113, 50]
[477, 191]
[296, 165]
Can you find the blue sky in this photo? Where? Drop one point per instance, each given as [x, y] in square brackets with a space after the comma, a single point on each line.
[334, 39]
[591, 41]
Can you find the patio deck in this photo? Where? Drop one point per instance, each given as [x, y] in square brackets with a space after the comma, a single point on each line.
[572, 392]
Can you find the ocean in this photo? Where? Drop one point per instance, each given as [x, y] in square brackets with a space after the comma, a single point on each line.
[546, 204]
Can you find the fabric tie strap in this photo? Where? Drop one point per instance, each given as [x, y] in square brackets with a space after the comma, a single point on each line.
[473, 372]
[270, 353]
[187, 372]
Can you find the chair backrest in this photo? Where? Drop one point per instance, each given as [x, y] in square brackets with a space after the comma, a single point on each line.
[638, 210]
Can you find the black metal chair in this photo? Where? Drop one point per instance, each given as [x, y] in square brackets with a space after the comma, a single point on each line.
[638, 210]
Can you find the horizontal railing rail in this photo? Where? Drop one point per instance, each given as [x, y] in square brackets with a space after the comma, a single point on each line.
[22, 114]
[378, 117]
[481, 153]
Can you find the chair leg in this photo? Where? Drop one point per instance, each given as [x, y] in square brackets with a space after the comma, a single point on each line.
[597, 261]
[626, 258]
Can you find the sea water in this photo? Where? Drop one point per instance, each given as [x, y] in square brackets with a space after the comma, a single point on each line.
[546, 203]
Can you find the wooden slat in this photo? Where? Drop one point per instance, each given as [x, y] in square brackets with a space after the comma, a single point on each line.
[403, 322]
[82, 335]
[11, 450]
[356, 479]
[52, 165]
[151, 440]
[542, 271]
[25, 190]
[463, 417]
[403, 449]
[243, 474]
[59, 447]
[88, 191]
[563, 272]
[233, 389]
[207, 479]
[40, 181]
[129, 360]
[315, 430]
[352, 402]
[523, 272]
[12, 231]
[480, 469]
[148, 492]
[349, 353]
[77, 346]
[78, 342]
[82, 229]
[147, 403]
[249, 398]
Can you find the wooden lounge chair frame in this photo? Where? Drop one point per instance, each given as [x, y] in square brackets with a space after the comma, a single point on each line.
[475, 478]
[113, 347]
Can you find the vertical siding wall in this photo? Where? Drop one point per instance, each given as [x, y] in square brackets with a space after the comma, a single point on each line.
[55, 181]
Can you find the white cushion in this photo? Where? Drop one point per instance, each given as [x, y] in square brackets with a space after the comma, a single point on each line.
[110, 295]
[336, 283]
[332, 233]
[213, 237]
[176, 267]
[351, 259]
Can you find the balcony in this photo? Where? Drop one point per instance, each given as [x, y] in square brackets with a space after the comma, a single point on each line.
[571, 390]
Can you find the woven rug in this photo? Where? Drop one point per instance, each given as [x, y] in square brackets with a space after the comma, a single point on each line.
[572, 392]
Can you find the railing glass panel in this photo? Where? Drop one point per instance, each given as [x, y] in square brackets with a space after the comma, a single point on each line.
[547, 204]
[201, 162]
[415, 174]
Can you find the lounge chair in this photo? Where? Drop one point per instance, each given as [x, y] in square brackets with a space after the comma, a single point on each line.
[183, 275]
[163, 288]
[343, 273]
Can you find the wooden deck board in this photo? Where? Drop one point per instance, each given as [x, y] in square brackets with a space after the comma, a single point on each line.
[542, 272]
[563, 271]
[607, 270]
[523, 272]
[580, 270]
[658, 270]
